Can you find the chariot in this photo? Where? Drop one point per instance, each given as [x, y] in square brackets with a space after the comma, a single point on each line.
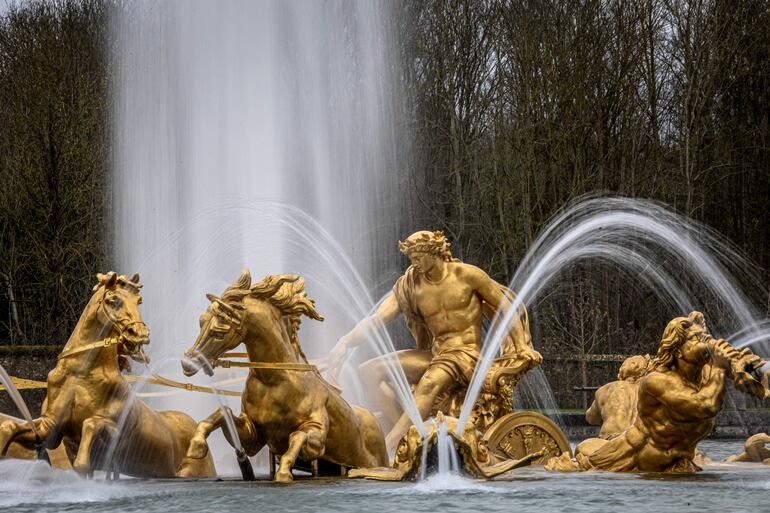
[495, 440]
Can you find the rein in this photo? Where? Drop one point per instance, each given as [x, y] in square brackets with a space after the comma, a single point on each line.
[299, 367]
[155, 379]
[120, 325]
[107, 342]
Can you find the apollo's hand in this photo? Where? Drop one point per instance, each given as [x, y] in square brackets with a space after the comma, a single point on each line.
[337, 356]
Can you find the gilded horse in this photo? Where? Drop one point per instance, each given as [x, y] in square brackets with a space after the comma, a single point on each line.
[89, 404]
[285, 403]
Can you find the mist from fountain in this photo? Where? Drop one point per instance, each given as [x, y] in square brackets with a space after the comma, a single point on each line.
[259, 135]
[13, 392]
[665, 248]
[31, 485]
[750, 335]
[448, 461]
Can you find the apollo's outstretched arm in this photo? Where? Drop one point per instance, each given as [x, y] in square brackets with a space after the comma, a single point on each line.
[387, 312]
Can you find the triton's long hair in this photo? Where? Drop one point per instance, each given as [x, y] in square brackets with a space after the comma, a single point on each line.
[674, 336]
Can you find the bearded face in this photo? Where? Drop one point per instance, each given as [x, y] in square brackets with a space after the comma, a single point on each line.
[686, 338]
[695, 349]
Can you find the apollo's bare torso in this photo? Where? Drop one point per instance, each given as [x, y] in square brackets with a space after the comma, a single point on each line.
[451, 308]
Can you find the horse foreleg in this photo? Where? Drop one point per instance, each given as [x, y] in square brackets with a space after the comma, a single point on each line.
[92, 427]
[308, 441]
[250, 439]
[248, 436]
[296, 440]
[9, 430]
[22, 434]
[198, 447]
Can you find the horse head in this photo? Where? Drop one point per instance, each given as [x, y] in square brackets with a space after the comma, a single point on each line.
[224, 324]
[117, 301]
[221, 327]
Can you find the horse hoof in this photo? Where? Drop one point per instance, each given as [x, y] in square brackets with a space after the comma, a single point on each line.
[7, 429]
[198, 449]
[283, 477]
[81, 468]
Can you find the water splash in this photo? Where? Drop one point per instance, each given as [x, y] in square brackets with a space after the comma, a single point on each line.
[424, 457]
[447, 452]
[758, 333]
[34, 483]
[255, 134]
[668, 251]
[13, 392]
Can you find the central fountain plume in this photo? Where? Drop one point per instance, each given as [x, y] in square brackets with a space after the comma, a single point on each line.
[261, 135]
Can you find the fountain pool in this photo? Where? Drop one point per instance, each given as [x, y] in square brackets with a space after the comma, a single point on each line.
[32, 487]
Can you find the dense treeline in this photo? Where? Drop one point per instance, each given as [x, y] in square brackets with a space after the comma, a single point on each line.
[516, 107]
[53, 165]
[521, 106]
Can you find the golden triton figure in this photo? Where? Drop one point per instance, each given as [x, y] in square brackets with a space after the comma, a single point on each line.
[678, 401]
[615, 404]
[444, 302]
[754, 450]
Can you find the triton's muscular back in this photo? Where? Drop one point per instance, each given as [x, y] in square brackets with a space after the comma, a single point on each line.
[669, 407]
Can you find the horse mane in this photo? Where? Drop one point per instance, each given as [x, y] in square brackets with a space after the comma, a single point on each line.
[286, 292]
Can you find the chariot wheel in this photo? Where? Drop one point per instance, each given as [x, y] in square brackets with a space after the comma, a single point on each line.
[517, 434]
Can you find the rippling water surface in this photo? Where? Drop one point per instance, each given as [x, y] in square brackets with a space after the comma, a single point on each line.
[27, 486]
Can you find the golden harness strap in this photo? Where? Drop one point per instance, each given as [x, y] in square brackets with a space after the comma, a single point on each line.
[156, 379]
[107, 342]
[300, 367]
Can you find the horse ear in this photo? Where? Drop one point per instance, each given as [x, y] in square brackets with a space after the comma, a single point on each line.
[135, 278]
[108, 280]
[112, 278]
[99, 279]
[244, 280]
[212, 297]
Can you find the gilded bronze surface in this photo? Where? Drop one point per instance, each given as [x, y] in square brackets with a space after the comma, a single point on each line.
[286, 404]
[523, 433]
[754, 450]
[444, 302]
[89, 404]
[57, 457]
[615, 404]
[470, 446]
[679, 398]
